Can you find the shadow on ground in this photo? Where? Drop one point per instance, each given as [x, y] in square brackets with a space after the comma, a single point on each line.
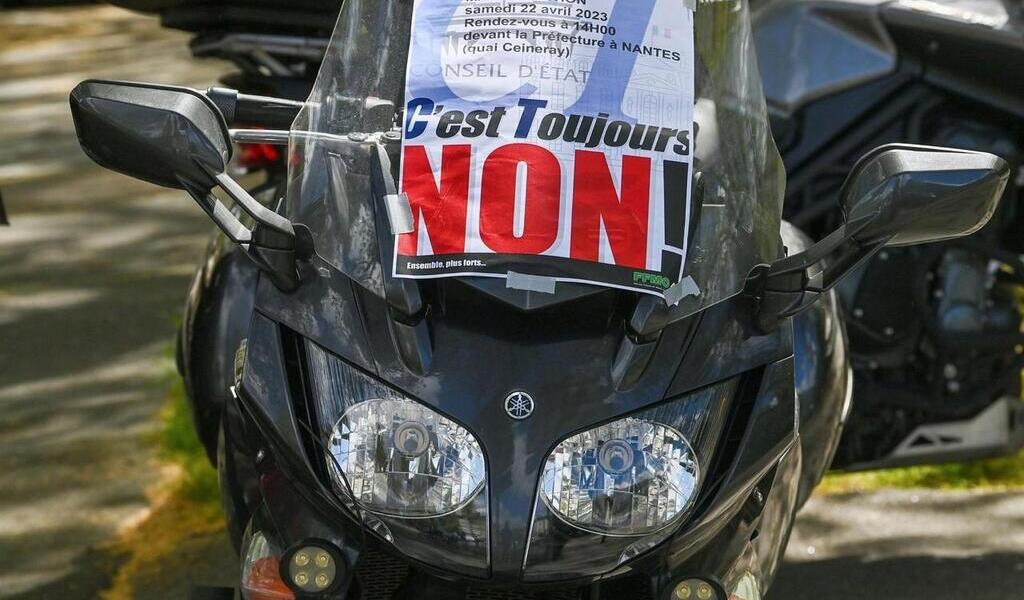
[907, 545]
[92, 271]
[981, 577]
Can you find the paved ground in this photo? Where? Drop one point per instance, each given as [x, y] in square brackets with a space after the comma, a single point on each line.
[92, 271]
[889, 545]
[901, 545]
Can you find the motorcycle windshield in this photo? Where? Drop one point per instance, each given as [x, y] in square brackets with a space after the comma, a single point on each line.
[622, 143]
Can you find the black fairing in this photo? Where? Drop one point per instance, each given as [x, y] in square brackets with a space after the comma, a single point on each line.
[955, 45]
[482, 351]
[482, 348]
[824, 381]
[216, 319]
[815, 50]
[563, 355]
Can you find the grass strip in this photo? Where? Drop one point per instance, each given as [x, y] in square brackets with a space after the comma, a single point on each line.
[991, 474]
[185, 505]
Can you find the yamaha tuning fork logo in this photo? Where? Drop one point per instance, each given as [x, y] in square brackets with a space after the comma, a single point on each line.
[519, 405]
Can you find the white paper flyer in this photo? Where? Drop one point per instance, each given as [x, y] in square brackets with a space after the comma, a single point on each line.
[549, 138]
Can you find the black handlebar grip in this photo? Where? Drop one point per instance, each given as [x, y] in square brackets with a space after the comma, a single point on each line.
[261, 111]
[273, 113]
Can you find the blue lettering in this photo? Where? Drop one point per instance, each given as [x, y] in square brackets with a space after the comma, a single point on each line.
[416, 117]
[530, 108]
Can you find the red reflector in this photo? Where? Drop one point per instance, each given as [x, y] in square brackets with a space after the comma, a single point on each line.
[264, 581]
[258, 155]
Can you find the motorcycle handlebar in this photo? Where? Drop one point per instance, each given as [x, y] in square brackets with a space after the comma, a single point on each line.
[264, 111]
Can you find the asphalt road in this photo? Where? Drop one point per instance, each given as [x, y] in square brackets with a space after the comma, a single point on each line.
[95, 266]
[887, 545]
[92, 271]
[907, 545]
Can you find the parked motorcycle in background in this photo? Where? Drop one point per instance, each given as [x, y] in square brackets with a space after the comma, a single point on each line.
[935, 331]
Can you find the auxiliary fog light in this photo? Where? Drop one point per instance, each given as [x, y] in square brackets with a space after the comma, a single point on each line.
[694, 589]
[312, 569]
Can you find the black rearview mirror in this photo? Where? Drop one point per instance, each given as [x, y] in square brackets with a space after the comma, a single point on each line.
[170, 136]
[897, 195]
[178, 138]
[904, 195]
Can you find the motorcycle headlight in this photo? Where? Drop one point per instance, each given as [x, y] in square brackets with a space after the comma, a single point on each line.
[402, 459]
[630, 477]
[417, 478]
[613, 492]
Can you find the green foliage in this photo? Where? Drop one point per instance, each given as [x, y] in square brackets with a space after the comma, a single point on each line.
[179, 445]
[995, 473]
[186, 507]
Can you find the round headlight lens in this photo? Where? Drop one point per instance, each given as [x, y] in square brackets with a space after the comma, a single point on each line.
[630, 477]
[402, 459]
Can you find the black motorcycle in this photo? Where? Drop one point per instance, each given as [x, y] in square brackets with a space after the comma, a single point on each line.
[935, 332]
[473, 437]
